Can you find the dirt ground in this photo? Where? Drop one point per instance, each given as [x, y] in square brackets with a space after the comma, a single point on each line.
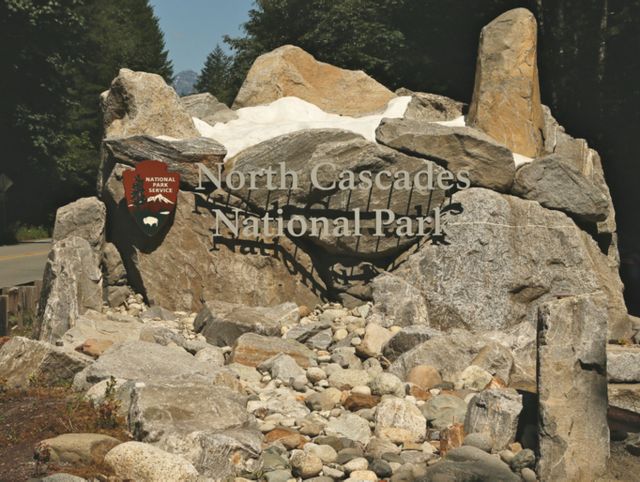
[29, 416]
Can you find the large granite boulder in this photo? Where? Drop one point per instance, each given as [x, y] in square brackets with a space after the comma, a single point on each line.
[290, 71]
[346, 151]
[572, 388]
[207, 108]
[142, 103]
[506, 97]
[25, 362]
[72, 284]
[181, 156]
[183, 266]
[506, 256]
[487, 163]
[555, 184]
[222, 323]
[84, 218]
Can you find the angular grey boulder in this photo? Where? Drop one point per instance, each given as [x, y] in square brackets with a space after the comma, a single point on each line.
[218, 455]
[572, 388]
[623, 364]
[142, 361]
[113, 268]
[555, 184]
[406, 339]
[587, 161]
[496, 413]
[25, 362]
[222, 323]
[84, 218]
[431, 107]
[72, 284]
[207, 108]
[470, 464]
[451, 353]
[166, 408]
[397, 302]
[487, 163]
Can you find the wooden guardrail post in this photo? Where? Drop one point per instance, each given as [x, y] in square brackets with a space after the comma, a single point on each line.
[4, 315]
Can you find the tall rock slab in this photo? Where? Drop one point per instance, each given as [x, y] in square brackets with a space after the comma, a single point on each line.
[72, 284]
[506, 97]
[572, 386]
[142, 103]
[290, 71]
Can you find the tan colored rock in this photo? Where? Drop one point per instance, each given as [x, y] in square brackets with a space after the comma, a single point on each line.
[375, 338]
[251, 350]
[506, 97]
[286, 436]
[94, 348]
[145, 463]
[424, 376]
[400, 421]
[290, 71]
[142, 103]
[78, 448]
[358, 401]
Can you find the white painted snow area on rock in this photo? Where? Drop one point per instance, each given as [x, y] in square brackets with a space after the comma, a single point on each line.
[291, 114]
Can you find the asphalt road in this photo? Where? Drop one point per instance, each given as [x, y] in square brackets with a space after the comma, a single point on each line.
[23, 263]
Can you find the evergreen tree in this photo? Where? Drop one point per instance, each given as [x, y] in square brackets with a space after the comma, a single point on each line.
[38, 56]
[215, 76]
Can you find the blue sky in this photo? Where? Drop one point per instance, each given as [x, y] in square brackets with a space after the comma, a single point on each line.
[192, 28]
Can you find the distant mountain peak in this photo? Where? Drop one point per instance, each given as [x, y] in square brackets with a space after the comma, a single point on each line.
[184, 82]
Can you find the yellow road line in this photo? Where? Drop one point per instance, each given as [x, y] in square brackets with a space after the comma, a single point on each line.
[24, 255]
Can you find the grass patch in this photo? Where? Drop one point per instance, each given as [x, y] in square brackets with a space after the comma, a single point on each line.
[24, 232]
[30, 416]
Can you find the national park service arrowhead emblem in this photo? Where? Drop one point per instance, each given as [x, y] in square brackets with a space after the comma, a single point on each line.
[151, 192]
